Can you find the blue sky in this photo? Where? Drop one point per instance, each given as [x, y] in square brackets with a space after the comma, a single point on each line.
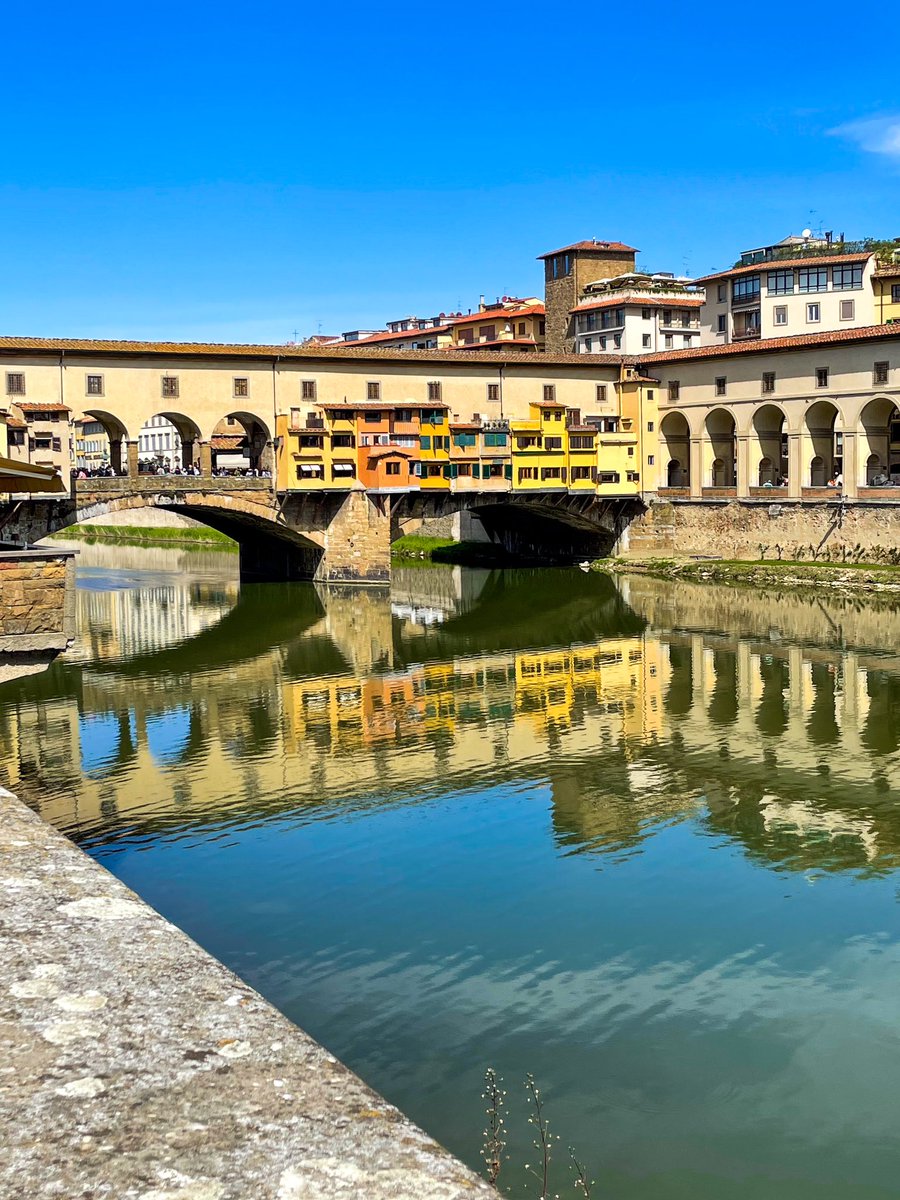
[241, 172]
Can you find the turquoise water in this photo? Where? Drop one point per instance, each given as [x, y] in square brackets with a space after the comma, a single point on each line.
[640, 841]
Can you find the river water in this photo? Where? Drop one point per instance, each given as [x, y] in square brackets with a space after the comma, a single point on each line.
[638, 839]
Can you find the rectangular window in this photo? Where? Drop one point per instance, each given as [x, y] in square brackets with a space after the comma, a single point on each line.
[631, 451]
[780, 283]
[601, 393]
[686, 341]
[170, 386]
[645, 314]
[295, 418]
[721, 293]
[813, 314]
[650, 460]
[434, 392]
[674, 390]
[895, 293]
[721, 323]
[94, 385]
[464, 439]
[779, 314]
[392, 468]
[646, 341]
[813, 279]
[845, 278]
[669, 341]
[372, 418]
[581, 442]
[15, 383]
[667, 316]
[553, 443]
[880, 372]
[617, 341]
[403, 414]
[308, 389]
[745, 290]
[649, 426]
[493, 391]
[822, 377]
[721, 384]
[241, 386]
[425, 442]
[373, 391]
[848, 310]
[495, 439]
[768, 381]
[549, 393]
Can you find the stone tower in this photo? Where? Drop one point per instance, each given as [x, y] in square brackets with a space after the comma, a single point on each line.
[566, 273]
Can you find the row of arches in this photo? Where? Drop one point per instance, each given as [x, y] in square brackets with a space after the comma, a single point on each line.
[821, 443]
[238, 432]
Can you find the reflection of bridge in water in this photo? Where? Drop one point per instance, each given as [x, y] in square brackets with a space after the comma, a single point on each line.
[775, 725]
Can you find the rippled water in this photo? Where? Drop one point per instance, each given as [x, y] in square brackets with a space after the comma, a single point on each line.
[640, 840]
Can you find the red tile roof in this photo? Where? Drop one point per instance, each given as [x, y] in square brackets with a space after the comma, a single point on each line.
[465, 425]
[39, 408]
[383, 451]
[15, 423]
[386, 405]
[397, 337]
[593, 244]
[782, 264]
[469, 346]
[801, 342]
[494, 314]
[636, 302]
[232, 442]
[11, 346]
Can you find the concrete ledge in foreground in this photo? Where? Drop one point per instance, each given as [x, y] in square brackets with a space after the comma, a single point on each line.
[134, 1066]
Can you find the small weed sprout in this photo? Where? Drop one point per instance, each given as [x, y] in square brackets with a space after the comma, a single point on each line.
[495, 1132]
[582, 1183]
[543, 1141]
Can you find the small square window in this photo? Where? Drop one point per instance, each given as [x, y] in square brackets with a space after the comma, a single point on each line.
[722, 323]
[768, 381]
[307, 389]
[434, 391]
[813, 314]
[880, 372]
[645, 314]
[15, 383]
[373, 391]
[822, 377]
[493, 391]
[241, 385]
[721, 385]
[649, 426]
[170, 385]
[94, 385]
[549, 393]
[848, 310]
[674, 390]
[646, 341]
[669, 341]
[650, 460]
[780, 314]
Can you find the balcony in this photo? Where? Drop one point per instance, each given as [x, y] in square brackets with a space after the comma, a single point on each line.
[748, 335]
[745, 301]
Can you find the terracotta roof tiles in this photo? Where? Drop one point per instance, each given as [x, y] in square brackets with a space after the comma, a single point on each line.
[592, 244]
[782, 264]
[28, 407]
[863, 334]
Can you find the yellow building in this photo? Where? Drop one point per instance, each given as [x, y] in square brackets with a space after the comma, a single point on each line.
[434, 449]
[317, 450]
[886, 282]
[609, 455]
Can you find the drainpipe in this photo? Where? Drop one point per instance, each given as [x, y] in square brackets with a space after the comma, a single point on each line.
[500, 375]
[275, 361]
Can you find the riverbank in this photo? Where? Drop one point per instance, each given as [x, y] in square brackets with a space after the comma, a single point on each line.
[138, 1065]
[843, 577]
[199, 537]
[414, 548]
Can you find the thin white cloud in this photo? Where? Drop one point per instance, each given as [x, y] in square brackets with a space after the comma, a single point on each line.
[877, 135]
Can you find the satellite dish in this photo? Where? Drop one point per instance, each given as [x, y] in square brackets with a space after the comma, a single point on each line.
[807, 233]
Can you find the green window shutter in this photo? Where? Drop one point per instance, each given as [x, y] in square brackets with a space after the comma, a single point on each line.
[476, 471]
[507, 470]
[425, 442]
[454, 471]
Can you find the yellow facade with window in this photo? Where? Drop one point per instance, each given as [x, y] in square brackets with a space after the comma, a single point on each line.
[434, 449]
[886, 282]
[316, 451]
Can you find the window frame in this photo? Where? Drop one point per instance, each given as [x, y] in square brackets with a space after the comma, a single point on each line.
[822, 375]
[88, 390]
[15, 390]
[169, 387]
[240, 385]
[373, 389]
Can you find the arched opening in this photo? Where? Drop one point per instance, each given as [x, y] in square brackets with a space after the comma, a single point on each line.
[770, 446]
[823, 444]
[168, 443]
[720, 449]
[675, 448]
[879, 438]
[875, 472]
[100, 439]
[241, 443]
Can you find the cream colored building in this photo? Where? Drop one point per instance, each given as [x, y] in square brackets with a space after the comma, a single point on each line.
[637, 314]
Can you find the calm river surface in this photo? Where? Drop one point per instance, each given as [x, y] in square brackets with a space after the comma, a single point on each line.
[639, 839]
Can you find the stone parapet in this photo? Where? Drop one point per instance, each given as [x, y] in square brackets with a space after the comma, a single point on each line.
[37, 600]
[138, 1066]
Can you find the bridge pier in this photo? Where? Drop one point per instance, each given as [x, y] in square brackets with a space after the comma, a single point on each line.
[358, 541]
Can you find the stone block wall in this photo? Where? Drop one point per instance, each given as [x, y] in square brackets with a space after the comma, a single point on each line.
[358, 541]
[738, 529]
[37, 600]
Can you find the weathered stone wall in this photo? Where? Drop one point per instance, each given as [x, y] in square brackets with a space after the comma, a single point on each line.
[738, 529]
[37, 600]
[358, 541]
